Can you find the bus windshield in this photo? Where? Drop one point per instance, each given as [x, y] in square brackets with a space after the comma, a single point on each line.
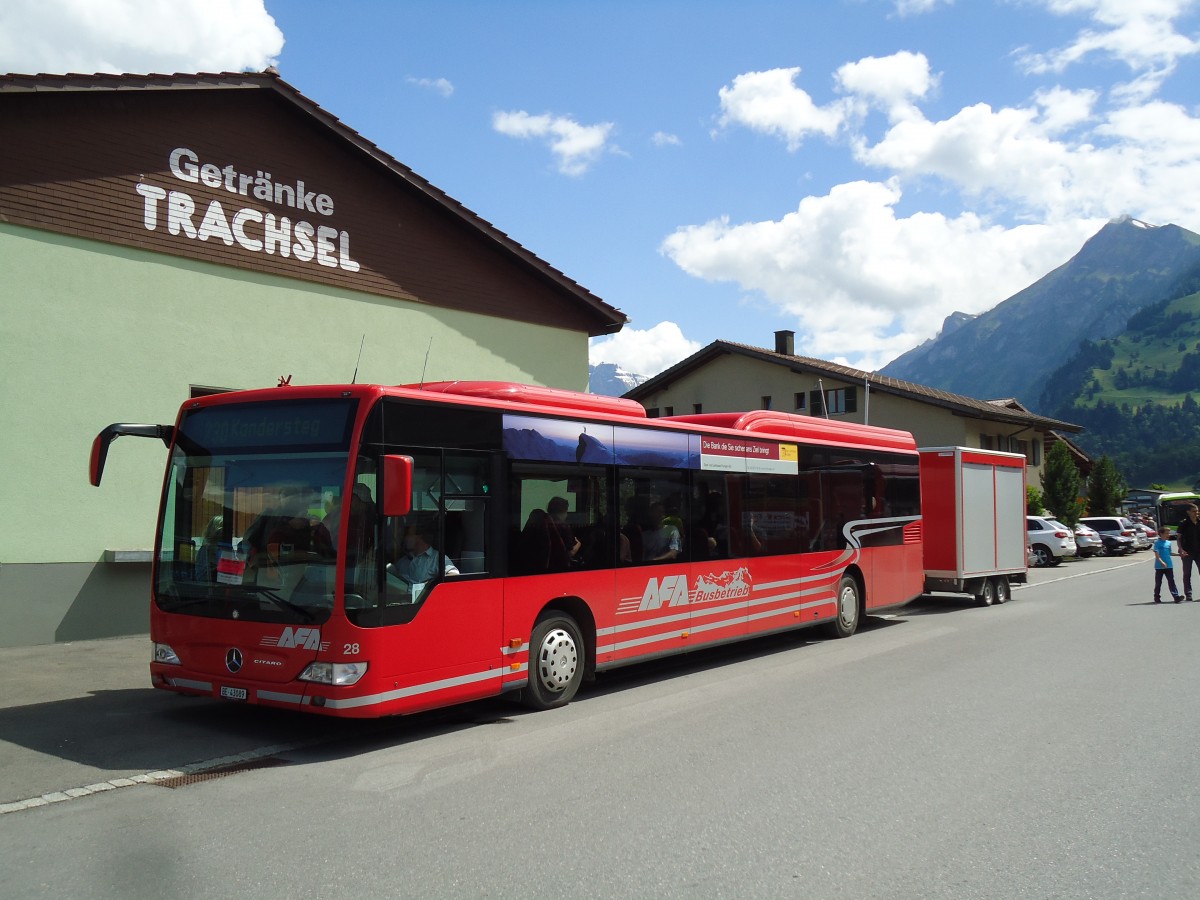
[250, 517]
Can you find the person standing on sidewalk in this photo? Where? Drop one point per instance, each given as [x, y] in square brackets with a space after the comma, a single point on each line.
[1163, 566]
[1188, 537]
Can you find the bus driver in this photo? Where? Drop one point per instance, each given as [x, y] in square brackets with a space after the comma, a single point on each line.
[419, 562]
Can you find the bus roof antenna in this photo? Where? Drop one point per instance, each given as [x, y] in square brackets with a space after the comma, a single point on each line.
[426, 365]
[354, 380]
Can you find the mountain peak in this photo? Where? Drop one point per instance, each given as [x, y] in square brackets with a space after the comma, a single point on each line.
[1011, 349]
[1127, 219]
[611, 380]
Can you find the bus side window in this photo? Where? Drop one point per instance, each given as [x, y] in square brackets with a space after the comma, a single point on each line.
[558, 519]
[654, 516]
[466, 521]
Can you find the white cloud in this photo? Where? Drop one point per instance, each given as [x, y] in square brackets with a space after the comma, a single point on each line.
[1139, 33]
[663, 139]
[137, 36]
[646, 352]
[771, 103]
[575, 146]
[1142, 159]
[864, 285]
[918, 7]
[437, 85]
[890, 82]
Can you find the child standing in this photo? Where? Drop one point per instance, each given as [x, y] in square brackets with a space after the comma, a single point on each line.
[1163, 566]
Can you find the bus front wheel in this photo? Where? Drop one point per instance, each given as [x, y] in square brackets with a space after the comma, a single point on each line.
[848, 608]
[556, 658]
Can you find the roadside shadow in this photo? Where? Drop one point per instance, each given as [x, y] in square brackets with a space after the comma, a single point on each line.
[938, 604]
[116, 733]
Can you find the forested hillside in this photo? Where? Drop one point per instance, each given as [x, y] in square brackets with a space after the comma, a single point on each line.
[1136, 395]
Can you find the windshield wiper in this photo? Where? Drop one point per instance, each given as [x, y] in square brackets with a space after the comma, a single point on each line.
[279, 601]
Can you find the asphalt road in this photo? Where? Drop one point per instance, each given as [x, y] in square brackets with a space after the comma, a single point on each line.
[1044, 748]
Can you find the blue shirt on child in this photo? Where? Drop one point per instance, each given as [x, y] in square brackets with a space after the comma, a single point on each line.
[1162, 554]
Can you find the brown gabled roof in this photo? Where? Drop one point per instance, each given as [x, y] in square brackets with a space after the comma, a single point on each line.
[997, 411]
[610, 318]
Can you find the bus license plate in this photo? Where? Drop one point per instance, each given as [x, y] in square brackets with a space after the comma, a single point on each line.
[232, 693]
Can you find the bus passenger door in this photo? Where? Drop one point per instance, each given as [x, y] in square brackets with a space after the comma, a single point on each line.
[440, 574]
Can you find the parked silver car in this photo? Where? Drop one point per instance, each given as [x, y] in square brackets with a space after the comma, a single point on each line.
[1087, 541]
[1051, 540]
[1115, 531]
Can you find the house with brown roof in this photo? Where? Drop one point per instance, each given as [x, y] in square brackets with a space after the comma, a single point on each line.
[163, 236]
[727, 376]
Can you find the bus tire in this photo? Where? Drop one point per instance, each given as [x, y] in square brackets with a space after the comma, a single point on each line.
[556, 662]
[1003, 590]
[849, 608]
[987, 593]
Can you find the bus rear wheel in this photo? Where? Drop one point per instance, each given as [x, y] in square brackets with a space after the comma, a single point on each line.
[556, 658]
[848, 608]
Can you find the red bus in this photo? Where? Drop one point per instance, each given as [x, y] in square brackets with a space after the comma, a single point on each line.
[363, 550]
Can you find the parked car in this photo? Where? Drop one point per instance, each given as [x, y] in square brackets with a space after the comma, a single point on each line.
[1031, 559]
[1087, 541]
[1150, 533]
[1141, 540]
[1115, 531]
[1051, 540]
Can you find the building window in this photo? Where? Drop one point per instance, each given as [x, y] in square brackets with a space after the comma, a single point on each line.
[697, 408]
[766, 401]
[1036, 458]
[799, 400]
[651, 412]
[987, 442]
[834, 402]
[668, 411]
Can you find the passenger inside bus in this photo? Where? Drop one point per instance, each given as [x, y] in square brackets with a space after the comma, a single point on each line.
[565, 548]
[661, 540]
[281, 530]
[360, 540]
[207, 555]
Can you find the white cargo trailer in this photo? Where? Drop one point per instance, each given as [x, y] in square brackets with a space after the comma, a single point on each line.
[973, 517]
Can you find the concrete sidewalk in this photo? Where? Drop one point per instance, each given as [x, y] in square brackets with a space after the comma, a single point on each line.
[55, 672]
[80, 718]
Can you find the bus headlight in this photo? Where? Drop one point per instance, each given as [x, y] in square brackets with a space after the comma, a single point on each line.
[165, 655]
[340, 674]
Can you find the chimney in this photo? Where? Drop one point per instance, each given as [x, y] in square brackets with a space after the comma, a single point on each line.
[785, 343]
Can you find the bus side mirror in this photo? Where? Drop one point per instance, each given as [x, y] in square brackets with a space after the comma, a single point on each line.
[165, 433]
[397, 485]
[99, 455]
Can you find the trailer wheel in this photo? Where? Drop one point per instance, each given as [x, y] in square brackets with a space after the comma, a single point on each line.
[987, 593]
[556, 657]
[1003, 590]
[848, 608]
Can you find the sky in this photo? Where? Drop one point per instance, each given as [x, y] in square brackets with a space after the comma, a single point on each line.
[850, 170]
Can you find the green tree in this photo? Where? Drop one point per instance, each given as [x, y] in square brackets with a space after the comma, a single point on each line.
[1106, 488]
[1061, 483]
[1033, 501]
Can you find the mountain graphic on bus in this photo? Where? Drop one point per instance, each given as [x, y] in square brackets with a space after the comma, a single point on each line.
[726, 586]
[562, 440]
